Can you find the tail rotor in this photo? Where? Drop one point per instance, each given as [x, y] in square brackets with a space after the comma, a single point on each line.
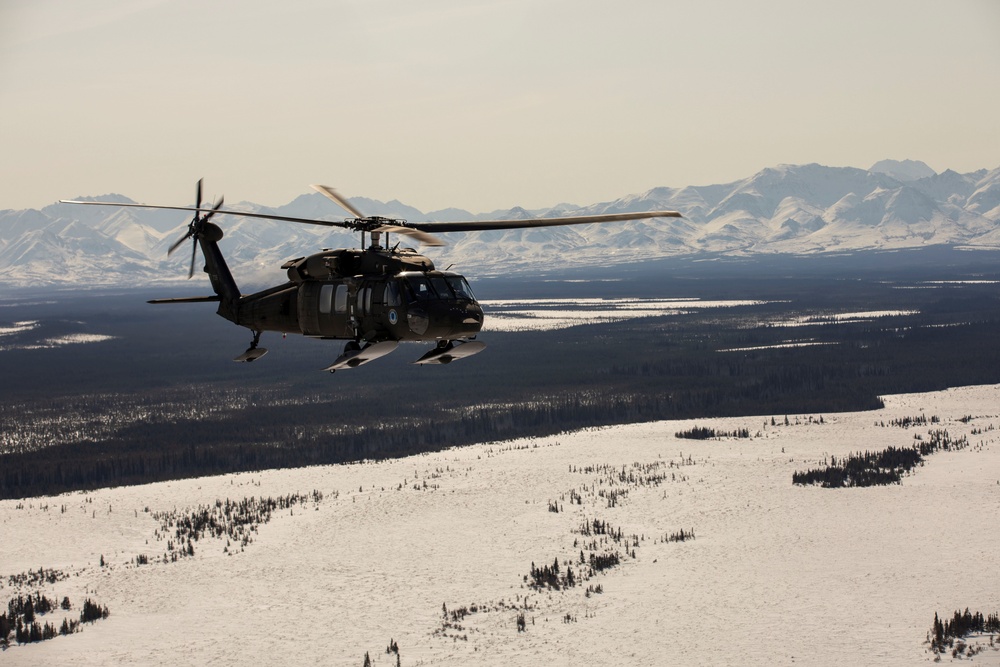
[196, 227]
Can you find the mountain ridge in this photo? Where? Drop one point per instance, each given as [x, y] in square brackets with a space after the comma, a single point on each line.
[791, 209]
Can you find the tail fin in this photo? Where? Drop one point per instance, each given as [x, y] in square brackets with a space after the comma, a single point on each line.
[218, 271]
[207, 235]
[227, 294]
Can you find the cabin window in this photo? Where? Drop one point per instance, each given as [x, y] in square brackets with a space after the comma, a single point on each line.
[325, 299]
[461, 287]
[391, 296]
[364, 301]
[340, 300]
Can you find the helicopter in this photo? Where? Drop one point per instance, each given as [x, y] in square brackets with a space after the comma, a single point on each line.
[374, 297]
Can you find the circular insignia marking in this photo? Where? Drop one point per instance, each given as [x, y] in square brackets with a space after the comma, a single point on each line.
[392, 317]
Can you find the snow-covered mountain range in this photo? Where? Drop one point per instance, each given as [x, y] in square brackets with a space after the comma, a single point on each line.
[797, 209]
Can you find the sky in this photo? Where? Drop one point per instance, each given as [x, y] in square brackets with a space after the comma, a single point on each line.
[481, 104]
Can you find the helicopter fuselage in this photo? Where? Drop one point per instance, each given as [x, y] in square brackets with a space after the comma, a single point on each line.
[396, 296]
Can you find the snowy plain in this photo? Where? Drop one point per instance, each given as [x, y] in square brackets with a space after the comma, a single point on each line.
[549, 314]
[776, 574]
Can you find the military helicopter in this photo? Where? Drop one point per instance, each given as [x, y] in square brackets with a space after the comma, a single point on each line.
[374, 297]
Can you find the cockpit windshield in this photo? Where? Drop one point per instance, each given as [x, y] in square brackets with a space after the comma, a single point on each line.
[460, 287]
[423, 287]
[419, 288]
[441, 287]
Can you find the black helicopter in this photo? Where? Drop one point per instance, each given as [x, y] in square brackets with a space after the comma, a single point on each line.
[374, 297]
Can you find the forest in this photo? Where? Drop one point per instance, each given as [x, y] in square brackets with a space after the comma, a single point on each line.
[879, 468]
[162, 400]
[944, 633]
[25, 618]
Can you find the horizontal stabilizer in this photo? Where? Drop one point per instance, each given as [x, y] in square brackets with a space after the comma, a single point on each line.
[187, 299]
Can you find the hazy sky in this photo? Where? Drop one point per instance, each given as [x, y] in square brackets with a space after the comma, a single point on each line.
[481, 104]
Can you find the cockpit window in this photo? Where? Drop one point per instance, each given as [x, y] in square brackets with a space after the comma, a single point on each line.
[420, 289]
[461, 287]
[441, 287]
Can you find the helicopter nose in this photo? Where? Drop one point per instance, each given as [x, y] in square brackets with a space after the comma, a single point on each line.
[472, 321]
[450, 320]
[473, 316]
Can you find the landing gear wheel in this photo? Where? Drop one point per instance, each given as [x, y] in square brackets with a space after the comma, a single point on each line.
[253, 352]
[352, 346]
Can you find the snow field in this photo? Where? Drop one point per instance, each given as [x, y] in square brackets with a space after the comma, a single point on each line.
[777, 573]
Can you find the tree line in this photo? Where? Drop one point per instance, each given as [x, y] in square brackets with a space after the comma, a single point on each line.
[707, 432]
[24, 618]
[878, 468]
[962, 624]
[530, 384]
[236, 521]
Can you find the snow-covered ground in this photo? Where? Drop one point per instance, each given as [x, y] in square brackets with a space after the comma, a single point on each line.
[26, 326]
[549, 314]
[776, 574]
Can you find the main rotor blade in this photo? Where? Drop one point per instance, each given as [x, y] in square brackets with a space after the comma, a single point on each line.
[423, 237]
[340, 201]
[486, 225]
[245, 214]
[197, 199]
[468, 226]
